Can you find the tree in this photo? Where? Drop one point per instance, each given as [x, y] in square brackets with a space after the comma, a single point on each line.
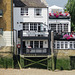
[70, 6]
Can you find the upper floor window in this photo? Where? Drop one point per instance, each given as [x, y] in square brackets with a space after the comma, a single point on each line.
[24, 11]
[38, 12]
[59, 27]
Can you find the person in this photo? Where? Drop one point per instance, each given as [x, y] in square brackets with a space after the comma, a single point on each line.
[29, 47]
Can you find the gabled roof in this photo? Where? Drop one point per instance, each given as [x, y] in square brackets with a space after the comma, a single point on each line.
[30, 3]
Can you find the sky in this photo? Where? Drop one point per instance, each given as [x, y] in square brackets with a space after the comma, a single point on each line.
[60, 3]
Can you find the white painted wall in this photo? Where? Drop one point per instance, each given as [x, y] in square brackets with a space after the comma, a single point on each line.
[5, 39]
[56, 21]
[17, 17]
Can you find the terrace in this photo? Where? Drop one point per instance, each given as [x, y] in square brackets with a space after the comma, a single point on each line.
[59, 15]
[64, 36]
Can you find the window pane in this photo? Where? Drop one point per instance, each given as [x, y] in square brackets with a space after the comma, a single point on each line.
[25, 26]
[31, 26]
[36, 44]
[24, 11]
[41, 44]
[35, 26]
[62, 45]
[38, 12]
[31, 44]
[66, 45]
[58, 45]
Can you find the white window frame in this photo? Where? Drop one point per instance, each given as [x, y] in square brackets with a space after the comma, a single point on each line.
[61, 28]
[24, 11]
[64, 42]
[38, 12]
[38, 44]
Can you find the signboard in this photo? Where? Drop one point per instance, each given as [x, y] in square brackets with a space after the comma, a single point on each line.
[1, 31]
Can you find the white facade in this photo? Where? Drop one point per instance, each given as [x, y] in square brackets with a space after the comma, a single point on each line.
[31, 17]
[63, 22]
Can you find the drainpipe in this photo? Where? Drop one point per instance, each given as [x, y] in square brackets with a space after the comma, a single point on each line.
[11, 21]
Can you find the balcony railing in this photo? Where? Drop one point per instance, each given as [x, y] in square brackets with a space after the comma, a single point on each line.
[60, 17]
[35, 51]
[1, 13]
[64, 35]
[33, 33]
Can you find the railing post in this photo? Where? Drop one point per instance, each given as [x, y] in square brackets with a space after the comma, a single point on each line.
[52, 50]
[49, 40]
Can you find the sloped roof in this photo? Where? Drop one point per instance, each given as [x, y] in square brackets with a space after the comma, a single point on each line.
[30, 3]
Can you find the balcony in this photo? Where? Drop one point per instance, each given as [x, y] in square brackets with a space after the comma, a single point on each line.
[59, 15]
[33, 34]
[37, 51]
[1, 13]
[64, 36]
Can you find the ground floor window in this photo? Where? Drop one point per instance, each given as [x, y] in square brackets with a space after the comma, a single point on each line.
[64, 45]
[36, 44]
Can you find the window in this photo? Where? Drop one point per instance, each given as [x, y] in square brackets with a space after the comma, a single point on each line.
[38, 12]
[64, 44]
[31, 26]
[25, 26]
[66, 27]
[58, 45]
[31, 44]
[52, 27]
[41, 44]
[24, 11]
[71, 46]
[59, 27]
[35, 26]
[36, 44]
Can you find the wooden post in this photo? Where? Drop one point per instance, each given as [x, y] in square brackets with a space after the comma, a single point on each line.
[52, 52]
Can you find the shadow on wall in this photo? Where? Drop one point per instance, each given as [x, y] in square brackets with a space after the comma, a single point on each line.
[3, 7]
[2, 42]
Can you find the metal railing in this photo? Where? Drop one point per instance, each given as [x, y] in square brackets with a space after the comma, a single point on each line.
[61, 34]
[35, 33]
[35, 50]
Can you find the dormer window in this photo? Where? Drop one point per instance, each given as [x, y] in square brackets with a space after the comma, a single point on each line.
[24, 11]
[38, 12]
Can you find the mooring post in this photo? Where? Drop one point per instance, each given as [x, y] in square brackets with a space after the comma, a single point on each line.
[52, 49]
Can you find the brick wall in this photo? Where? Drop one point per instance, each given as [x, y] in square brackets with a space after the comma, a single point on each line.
[5, 21]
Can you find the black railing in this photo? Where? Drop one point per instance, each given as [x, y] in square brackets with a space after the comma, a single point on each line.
[35, 51]
[59, 17]
[64, 35]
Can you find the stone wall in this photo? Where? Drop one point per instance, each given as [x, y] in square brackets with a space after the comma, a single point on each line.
[64, 53]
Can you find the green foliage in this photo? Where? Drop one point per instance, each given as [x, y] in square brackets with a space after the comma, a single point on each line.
[5, 62]
[70, 6]
[63, 64]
